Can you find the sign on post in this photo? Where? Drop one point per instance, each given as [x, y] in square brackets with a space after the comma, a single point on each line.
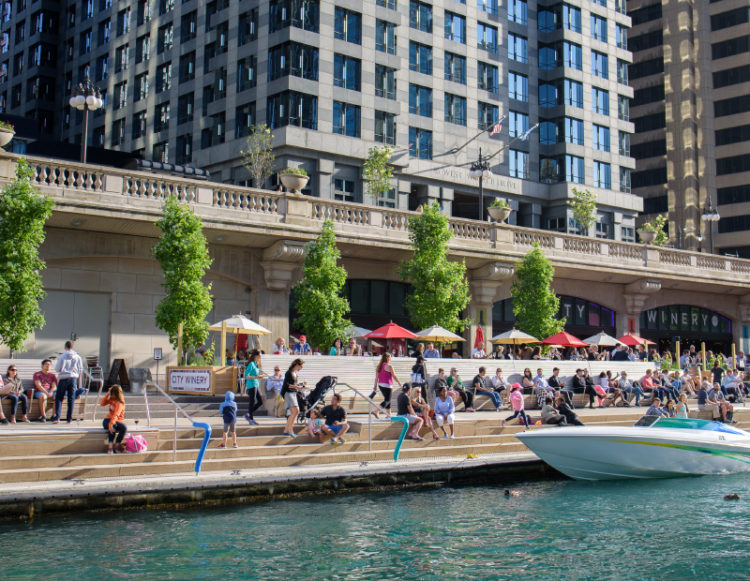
[190, 380]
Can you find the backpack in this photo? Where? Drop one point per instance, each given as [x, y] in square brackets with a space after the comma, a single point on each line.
[135, 443]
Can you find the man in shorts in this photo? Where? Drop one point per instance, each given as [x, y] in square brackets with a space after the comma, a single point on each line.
[336, 425]
[45, 385]
[407, 411]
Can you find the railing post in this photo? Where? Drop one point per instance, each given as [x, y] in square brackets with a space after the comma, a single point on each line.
[174, 438]
[145, 400]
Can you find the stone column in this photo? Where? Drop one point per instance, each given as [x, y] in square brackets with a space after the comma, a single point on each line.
[484, 285]
[743, 318]
[281, 271]
[636, 295]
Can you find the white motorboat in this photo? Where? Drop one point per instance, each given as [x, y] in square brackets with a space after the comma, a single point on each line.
[653, 448]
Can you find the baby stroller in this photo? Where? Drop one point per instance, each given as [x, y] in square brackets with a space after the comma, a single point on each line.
[306, 403]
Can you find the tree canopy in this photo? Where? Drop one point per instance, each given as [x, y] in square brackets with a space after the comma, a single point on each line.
[23, 213]
[258, 154]
[439, 289]
[535, 304]
[583, 204]
[377, 172]
[183, 255]
[321, 308]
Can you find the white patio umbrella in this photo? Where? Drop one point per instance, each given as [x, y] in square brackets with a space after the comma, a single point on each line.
[438, 334]
[236, 325]
[603, 340]
[513, 337]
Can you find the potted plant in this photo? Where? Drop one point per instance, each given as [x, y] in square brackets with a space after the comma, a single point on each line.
[6, 133]
[294, 179]
[653, 231]
[499, 209]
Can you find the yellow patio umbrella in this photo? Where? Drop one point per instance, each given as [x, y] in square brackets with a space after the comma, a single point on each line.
[513, 337]
[236, 325]
[438, 334]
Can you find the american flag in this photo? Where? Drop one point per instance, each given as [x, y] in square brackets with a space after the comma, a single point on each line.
[496, 128]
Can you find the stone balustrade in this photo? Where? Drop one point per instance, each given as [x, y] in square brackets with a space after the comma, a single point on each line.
[75, 184]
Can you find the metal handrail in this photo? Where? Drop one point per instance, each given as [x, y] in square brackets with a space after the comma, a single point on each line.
[91, 379]
[178, 408]
[369, 414]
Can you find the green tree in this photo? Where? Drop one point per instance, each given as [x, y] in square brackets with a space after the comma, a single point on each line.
[535, 304]
[258, 154]
[377, 171]
[184, 259]
[583, 204]
[23, 213]
[318, 298]
[439, 290]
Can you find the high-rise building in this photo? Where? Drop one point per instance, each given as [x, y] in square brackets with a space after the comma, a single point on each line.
[184, 82]
[691, 111]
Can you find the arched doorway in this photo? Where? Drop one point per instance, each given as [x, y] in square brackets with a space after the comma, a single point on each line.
[583, 318]
[689, 325]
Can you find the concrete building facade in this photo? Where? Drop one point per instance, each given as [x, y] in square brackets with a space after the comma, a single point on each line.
[185, 81]
[691, 112]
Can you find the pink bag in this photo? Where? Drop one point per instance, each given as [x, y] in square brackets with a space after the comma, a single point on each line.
[135, 443]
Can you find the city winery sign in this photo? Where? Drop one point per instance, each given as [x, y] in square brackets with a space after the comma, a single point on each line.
[192, 380]
[461, 175]
[685, 318]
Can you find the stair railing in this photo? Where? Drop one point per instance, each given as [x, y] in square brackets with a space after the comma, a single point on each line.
[90, 379]
[178, 409]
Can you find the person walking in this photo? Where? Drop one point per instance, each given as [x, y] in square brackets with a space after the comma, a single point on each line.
[253, 373]
[384, 378]
[69, 368]
[516, 401]
[289, 392]
[114, 423]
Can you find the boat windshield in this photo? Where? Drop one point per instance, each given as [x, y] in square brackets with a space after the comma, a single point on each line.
[687, 424]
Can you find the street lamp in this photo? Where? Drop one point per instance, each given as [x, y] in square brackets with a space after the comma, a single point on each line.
[709, 216]
[86, 97]
[480, 169]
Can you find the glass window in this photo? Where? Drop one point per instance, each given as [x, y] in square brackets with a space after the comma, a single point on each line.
[518, 48]
[518, 11]
[572, 56]
[547, 133]
[518, 87]
[420, 58]
[347, 26]
[385, 82]
[601, 2]
[292, 108]
[518, 164]
[488, 6]
[304, 14]
[455, 68]
[343, 189]
[292, 58]
[573, 93]
[420, 16]
[390, 4]
[600, 100]
[622, 72]
[599, 28]
[455, 27]
[622, 36]
[625, 180]
[487, 37]
[346, 72]
[546, 21]
[601, 137]
[621, 7]
[489, 114]
[547, 57]
[549, 170]
[420, 100]
[420, 143]
[623, 140]
[455, 109]
[385, 37]
[571, 17]
[385, 128]
[599, 64]
[518, 123]
[547, 95]
[573, 130]
[346, 119]
[488, 77]
[574, 169]
[623, 108]
[602, 175]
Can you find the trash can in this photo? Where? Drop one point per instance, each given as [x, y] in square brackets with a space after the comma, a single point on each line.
[138, 377]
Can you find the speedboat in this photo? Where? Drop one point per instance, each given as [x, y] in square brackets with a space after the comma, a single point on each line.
[652, 448]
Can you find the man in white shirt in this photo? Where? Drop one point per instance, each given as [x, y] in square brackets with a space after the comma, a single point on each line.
[478, 353]
[69, 368]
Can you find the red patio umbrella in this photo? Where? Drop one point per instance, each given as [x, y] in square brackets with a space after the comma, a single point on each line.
[632, 340]
[479, 339]
[564, 339]
[390, 331]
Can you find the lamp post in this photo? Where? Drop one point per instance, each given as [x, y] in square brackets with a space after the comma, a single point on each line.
[480, 169]
[709, 216]
[86, 97]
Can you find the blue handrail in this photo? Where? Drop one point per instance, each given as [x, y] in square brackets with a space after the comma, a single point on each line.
[206, 437]
[402, 436]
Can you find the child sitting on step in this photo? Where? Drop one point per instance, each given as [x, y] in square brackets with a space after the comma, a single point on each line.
[315, 425]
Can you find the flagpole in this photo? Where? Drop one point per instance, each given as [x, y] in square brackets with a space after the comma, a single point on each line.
[490, 126]
[523, 137]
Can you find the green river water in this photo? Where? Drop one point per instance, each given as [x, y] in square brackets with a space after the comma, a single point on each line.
[656, 529]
